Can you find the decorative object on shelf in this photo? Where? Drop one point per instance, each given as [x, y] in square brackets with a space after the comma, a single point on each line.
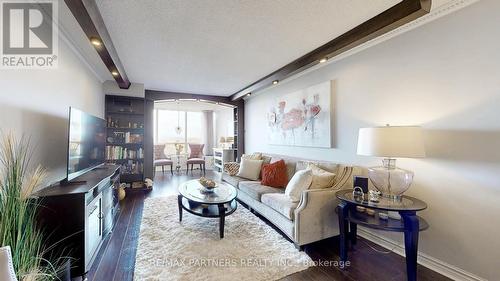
[137, 184]
[374, 196]
[370, 212]
[383, 216]
[394, 215]
[148, 183]
[389, 142]
[302, 118]
[360, 209]
[361, 182]
[358, 194]
[121, 192]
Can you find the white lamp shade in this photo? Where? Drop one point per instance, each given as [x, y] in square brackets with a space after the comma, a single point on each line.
[391, 141]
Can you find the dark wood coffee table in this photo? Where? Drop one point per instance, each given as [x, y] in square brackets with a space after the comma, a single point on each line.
[217, 204]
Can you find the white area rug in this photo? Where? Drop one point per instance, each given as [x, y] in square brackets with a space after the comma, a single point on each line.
[191, 249]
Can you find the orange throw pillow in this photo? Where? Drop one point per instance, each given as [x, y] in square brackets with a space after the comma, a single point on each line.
[275, 174]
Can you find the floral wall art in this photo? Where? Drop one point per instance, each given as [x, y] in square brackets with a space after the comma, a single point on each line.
[302, 118]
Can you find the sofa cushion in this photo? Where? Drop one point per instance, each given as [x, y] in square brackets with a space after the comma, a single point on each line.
[281, 203]
[255, 190]
[232, 180]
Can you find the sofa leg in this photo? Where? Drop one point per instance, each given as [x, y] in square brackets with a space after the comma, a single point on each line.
[299, 247]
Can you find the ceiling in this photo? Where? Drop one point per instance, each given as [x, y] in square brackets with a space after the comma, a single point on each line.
[218, 47]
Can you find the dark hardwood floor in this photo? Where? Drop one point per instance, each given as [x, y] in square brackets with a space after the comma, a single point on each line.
[116, 258]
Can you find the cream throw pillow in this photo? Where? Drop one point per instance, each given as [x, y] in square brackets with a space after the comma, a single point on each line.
[299, 182]
[320, 177]
[253, 156]
[250, 169]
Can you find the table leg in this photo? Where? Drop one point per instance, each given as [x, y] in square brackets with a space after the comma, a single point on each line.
[179, 203]
[411, 225]
[343, 227]
[353, 233]
[222, 219]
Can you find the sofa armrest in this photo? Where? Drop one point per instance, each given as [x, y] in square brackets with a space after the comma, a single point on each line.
[315, 216]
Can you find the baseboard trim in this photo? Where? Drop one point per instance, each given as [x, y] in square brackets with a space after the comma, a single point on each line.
[437, 265]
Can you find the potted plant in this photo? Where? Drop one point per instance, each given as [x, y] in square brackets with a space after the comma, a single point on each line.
[18, 227]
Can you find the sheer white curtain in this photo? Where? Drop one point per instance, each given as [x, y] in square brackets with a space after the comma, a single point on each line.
[208, 131]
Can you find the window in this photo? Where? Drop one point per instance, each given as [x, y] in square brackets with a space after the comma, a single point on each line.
[194, 128]
[165, 122]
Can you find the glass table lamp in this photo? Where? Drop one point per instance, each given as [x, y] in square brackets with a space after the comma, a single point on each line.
[391, 142]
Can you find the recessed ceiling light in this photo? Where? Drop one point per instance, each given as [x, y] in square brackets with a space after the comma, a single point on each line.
[96, 41]
[323, 60]
[115, 73]
[275, 82]
[249, 94]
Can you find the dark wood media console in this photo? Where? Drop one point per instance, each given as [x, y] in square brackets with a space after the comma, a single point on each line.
[79, 215]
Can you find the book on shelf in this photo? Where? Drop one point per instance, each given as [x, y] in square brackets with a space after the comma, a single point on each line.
[120, 153]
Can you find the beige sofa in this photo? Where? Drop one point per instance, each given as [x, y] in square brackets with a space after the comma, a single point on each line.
[311, 219]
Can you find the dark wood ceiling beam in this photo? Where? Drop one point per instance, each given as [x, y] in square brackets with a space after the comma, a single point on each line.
[90, 20]
[392, 18]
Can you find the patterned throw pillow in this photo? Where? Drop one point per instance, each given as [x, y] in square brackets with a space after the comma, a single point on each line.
[275, 174]
[231, 168]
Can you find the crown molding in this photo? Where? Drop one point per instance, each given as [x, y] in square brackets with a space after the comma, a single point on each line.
[434, 14]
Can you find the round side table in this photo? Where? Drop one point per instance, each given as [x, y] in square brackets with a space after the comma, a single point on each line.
[410, 223]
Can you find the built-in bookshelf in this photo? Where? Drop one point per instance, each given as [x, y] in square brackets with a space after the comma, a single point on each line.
[125, 137]
[236, 131]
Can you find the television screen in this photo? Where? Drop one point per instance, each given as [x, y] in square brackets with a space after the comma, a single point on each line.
[87, 142]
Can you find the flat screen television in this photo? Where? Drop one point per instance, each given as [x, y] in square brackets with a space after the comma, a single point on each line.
[86, 143]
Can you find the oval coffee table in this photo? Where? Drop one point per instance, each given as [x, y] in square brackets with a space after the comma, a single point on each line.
[219, 203]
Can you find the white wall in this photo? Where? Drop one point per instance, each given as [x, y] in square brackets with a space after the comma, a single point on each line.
[36, 103]
[444, 76]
